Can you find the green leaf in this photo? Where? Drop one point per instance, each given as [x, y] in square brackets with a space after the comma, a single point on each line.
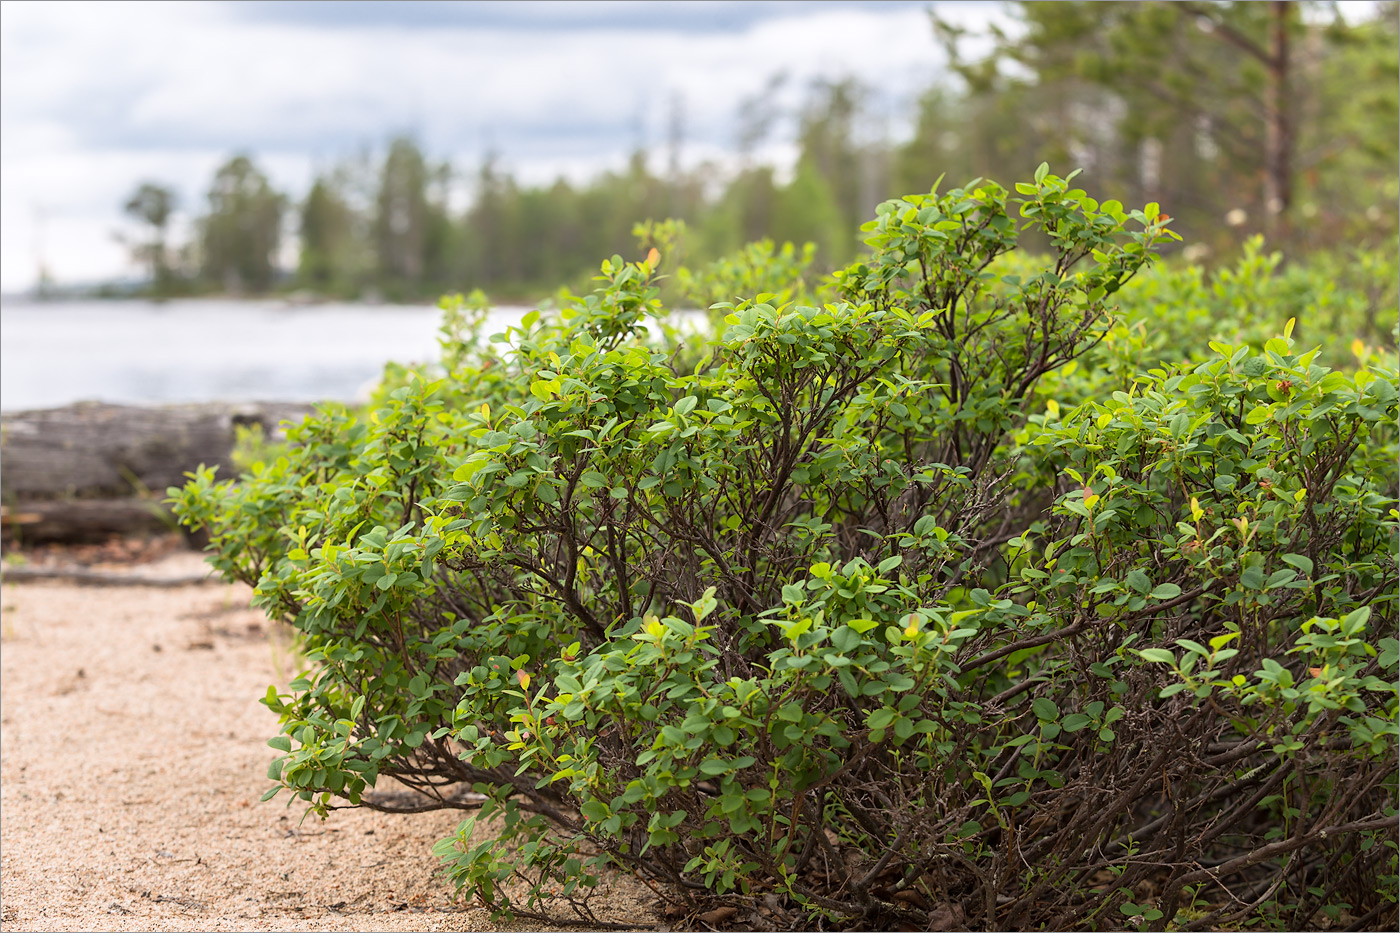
[1194, 647]
[881, 718]
[469, 469]
[1166, 591]
[1139, 581]
[595, 810]
[686, 405]
[714, 766]
[1045, 709]
[1075, 721]
[1220, 641]
[1355, 621]
[1158, 656]
[280, 742]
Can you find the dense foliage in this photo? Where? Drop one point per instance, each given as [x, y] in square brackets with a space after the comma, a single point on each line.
[839, 617]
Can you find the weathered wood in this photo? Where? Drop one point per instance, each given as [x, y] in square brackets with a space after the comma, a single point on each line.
[84, 577]
[88, 471]
[93, 450]
[83, 521]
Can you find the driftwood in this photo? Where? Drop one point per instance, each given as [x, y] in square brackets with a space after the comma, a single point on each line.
[88, 471]
[84, 577]
[84, 520]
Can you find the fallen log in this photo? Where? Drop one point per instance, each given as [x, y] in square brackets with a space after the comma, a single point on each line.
[94, 450]
[88, 471]
[84, 577]
[84, 521]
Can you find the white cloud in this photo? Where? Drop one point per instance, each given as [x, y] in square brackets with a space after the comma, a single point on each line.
[97, 97]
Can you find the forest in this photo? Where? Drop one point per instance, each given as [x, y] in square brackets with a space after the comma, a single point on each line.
[1241, 119]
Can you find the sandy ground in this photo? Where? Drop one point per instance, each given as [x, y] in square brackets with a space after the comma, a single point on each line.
[132, 757]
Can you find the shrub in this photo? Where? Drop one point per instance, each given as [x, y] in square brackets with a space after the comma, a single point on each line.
[827, 622]
[1343, 299]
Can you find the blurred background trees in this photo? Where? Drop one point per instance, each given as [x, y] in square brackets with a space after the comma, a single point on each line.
[151, 205]
[1279, 111]
[1276, 118]
[242, 231]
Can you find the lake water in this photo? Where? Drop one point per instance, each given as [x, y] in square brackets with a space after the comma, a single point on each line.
[138, 352]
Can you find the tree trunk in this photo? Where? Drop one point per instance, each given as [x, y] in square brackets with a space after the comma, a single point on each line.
[1278, 129]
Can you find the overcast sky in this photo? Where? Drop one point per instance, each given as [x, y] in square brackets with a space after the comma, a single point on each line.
[97, 97]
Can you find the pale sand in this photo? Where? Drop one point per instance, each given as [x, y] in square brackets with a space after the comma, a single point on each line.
[132, 757]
